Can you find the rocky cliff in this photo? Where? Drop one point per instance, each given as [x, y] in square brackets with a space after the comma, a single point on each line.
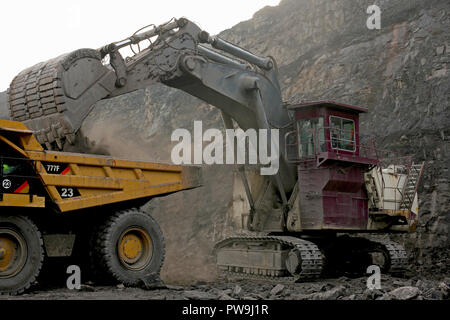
[324, 51]
[4, 113]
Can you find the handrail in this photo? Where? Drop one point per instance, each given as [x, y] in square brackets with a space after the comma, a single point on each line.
[367, 150]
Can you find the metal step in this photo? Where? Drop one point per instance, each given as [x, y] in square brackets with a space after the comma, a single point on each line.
[411, 185]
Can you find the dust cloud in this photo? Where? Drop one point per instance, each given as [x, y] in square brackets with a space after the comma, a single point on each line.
[191, 221]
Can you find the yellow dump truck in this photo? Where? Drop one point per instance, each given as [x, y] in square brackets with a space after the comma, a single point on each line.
[56, 204]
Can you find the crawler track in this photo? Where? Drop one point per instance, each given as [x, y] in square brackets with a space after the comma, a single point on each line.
[398, 259]
[311, 259]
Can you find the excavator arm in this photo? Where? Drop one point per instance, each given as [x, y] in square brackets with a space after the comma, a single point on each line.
[53, 98]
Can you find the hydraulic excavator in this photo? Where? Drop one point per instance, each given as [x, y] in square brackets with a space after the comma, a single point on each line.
[329, 187]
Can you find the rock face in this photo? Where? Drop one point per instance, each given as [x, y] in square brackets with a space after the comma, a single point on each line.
[405, 293]
[4, 111]
[324, 50]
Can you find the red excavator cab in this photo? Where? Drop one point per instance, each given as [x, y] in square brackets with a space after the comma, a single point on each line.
[331, 165]
[327, 131]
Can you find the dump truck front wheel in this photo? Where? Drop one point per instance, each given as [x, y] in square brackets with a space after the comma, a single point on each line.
[21, 253]
[130, 247]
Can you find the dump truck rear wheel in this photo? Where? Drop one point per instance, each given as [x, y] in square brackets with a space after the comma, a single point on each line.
[130, 247]
[21, 254]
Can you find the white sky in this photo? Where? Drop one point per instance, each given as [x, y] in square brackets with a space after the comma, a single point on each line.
[37, 30]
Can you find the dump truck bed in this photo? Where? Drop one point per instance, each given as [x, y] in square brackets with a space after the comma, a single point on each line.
[78, 181]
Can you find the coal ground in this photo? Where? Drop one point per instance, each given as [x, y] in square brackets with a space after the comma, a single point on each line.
[407, 287]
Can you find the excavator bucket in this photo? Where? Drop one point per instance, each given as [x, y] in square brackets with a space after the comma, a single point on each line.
[52, 98]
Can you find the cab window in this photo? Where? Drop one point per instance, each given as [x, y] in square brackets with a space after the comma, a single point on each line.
[311, 137]
[342, 134]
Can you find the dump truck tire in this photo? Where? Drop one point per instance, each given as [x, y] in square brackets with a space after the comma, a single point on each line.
[129, 248]
[21, 254]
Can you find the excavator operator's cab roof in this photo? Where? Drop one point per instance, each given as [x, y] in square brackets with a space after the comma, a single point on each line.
[328, 104]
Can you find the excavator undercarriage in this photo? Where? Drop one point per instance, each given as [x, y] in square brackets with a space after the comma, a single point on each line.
[295, 259]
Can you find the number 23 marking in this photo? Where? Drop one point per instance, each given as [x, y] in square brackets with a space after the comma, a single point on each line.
[67, 192]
